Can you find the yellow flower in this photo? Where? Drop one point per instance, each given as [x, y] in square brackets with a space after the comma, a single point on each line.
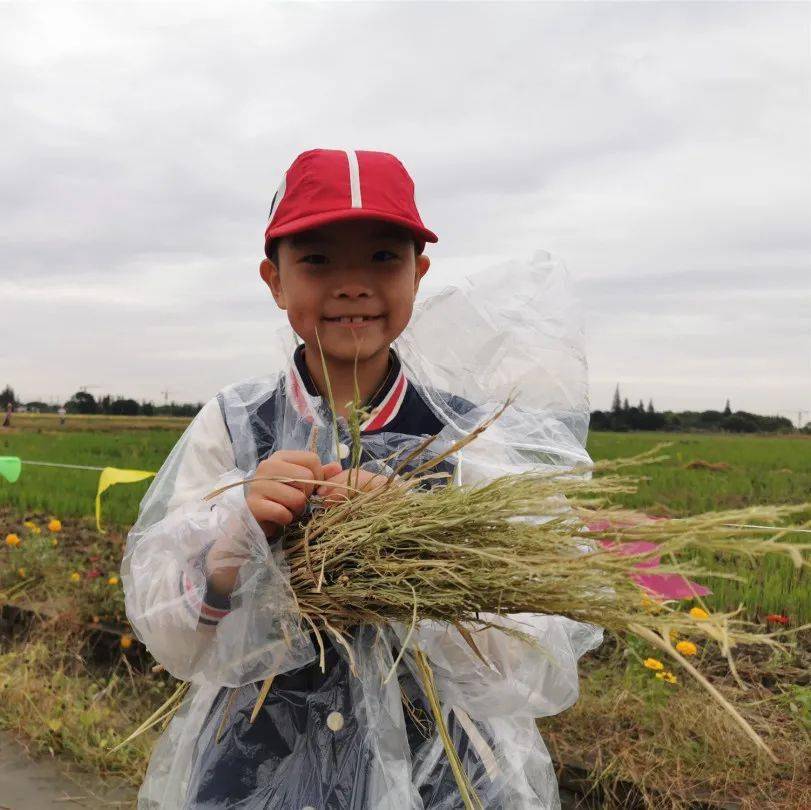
[55, 525]
[674, 634]
[668, 677]
[36, 530]
[21, 572]
[686, 648]
[75, 577]
[652, 663]
[12, 540]
[54, 541]
[112, 580]
[29, 524]
[699, 613]
[126, 641]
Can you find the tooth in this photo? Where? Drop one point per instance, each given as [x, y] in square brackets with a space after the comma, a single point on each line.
[357, 319]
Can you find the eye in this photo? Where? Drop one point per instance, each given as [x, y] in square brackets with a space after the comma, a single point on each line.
[384, 256]
[314, 258]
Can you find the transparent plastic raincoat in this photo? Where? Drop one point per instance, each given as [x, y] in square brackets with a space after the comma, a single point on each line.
[337, 738]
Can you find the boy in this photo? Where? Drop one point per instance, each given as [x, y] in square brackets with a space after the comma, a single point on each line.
[207, 587]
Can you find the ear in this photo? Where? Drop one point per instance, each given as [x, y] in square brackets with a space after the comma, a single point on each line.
[422, 263]
[271, 276]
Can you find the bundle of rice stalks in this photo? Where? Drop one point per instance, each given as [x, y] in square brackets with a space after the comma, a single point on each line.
[521, 543]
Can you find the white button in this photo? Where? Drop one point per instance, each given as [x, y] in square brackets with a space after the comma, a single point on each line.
[308, 807]
[343, 450]
[335, 721]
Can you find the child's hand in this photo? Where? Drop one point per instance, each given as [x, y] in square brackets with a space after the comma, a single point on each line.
[360, 479]
[275, 504]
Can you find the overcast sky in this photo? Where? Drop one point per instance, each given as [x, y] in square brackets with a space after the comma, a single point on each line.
[663, 151]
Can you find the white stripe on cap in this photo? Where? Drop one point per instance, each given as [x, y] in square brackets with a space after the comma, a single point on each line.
[277, 198]
[354, 178]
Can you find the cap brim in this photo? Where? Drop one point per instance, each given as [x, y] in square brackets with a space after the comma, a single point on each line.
[344, 214]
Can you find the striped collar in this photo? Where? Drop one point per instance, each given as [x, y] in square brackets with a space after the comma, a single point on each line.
[384, 406]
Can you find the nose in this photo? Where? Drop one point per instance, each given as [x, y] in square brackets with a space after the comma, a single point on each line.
[351, 290]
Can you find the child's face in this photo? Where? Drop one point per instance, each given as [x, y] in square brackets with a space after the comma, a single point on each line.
[356, 268]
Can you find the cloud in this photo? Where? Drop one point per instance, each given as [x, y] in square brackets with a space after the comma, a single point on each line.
[660, 149]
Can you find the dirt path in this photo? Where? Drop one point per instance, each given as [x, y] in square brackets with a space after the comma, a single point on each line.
[48, 784]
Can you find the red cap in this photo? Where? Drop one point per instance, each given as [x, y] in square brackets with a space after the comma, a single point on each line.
[332, 185]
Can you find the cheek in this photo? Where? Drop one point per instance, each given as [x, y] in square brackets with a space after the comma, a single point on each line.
[400, 307]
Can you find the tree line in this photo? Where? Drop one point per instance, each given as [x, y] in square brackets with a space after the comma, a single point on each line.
[84, 402]
[624, 417]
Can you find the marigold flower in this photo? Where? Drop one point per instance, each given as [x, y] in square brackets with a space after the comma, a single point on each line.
[699, 613]
[126, 641]
[21, 573]
[12, 540]
[112, 580]
[75, 577]
[652, 663]
[55, 525]
[667, 677]
[686, 648]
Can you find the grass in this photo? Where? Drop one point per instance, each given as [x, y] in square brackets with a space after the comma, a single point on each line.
[58, 704]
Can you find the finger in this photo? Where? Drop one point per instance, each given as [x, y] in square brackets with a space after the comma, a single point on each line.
[331, 469]
[302, 458]
[375, 482]
[271, 511]
[288, 495]
[285, 469]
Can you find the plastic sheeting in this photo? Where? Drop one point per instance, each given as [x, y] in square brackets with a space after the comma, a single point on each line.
[343, 739]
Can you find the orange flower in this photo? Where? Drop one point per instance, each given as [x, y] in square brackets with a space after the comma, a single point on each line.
[686, 648]
[21, 573]
[126, 641]
[113, 580]
[75, 577]
[652, 663]
[777, 618]
[55, 525]
[699, 613]
[12, 540]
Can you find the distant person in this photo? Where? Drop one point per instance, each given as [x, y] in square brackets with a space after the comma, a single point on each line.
[7, 419]
[61, 413]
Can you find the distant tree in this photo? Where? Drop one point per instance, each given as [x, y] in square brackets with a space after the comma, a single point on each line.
[740, 423]
[641, 405]
[124, 407]
[616, 405]
[105, 403]
[651, 409]
[147, 409]
[625, 406]
[6, 396]
[82, 402]
[727, 410]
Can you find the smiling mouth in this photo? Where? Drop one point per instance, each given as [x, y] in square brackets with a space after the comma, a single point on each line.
[354, 320]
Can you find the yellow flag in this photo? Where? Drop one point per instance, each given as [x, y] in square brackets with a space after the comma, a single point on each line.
[112, 475]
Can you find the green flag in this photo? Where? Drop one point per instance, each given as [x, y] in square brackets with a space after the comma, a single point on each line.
[10, 467]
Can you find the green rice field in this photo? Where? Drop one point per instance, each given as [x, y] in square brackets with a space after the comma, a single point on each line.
[702, 472]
